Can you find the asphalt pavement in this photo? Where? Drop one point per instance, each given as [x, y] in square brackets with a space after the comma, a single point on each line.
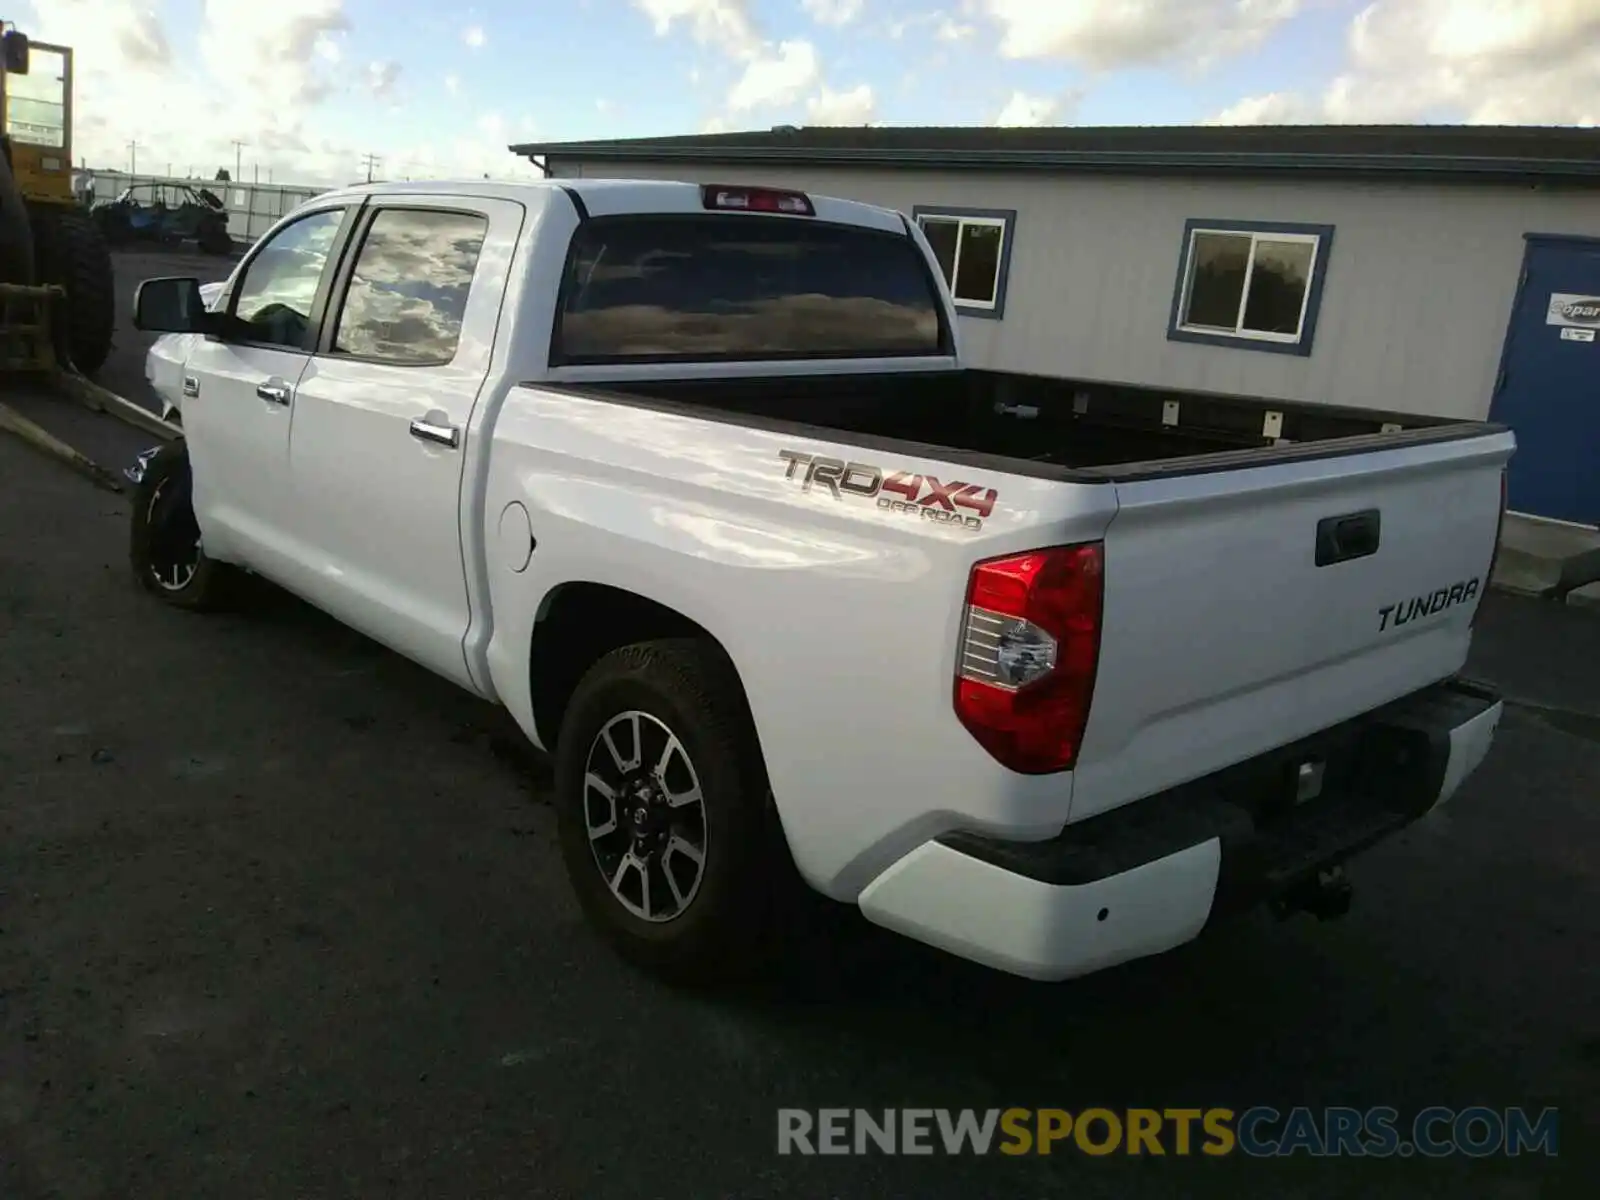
[123, 372]
[282, 915]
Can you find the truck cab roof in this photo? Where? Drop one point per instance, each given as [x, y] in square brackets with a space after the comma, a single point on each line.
[610, 197]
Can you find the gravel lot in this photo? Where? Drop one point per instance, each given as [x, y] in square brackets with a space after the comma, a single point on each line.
[282, 916]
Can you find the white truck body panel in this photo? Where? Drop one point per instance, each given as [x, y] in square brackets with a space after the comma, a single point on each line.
[1221, 639]
[843, 625]
[1291, 647]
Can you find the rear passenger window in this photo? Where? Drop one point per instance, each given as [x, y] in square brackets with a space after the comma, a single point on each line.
[729, 287]
[408, 290]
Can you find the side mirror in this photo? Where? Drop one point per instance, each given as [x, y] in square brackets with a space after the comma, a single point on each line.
[170, 305]
[17, 47]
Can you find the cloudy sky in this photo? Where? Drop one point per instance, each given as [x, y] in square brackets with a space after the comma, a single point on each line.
[310, 86]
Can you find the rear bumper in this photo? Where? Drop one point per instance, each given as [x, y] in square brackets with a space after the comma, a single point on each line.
[1150, 875]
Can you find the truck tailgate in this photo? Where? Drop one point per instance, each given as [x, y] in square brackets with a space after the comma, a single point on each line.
[1247, 608]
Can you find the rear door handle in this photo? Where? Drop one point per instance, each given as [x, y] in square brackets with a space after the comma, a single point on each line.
[273, 393]
[191, 385]
[1353, 535]
[432, 428]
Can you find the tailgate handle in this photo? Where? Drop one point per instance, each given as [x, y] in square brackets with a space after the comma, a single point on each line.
[1354, 535]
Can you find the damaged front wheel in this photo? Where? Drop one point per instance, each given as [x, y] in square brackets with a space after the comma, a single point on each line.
[165, 548]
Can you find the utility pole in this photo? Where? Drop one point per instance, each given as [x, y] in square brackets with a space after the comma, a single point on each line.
[371, 161]
[238, 160]
[133, 158]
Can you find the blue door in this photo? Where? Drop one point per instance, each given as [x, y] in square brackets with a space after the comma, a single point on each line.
[1549, 387]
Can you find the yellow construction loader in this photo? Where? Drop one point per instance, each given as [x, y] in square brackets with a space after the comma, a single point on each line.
[57, 298]
[46, 235]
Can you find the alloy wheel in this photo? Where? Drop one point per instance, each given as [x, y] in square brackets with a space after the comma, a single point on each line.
[645, 816]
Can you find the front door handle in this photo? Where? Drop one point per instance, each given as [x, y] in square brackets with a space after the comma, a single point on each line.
[430, 429]
[191, 385]
[273, 393]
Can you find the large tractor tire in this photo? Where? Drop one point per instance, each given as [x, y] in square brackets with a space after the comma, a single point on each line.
[16, 236]
[70, 250]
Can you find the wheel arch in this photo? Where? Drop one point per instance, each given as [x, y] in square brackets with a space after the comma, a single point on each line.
[579, 622]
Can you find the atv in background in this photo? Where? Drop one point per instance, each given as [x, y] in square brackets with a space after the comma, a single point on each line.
[165, 214]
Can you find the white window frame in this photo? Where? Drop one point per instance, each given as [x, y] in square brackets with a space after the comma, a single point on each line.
[1238, 331]
[961, 223]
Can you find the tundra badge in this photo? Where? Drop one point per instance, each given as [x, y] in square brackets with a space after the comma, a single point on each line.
[1425, 606]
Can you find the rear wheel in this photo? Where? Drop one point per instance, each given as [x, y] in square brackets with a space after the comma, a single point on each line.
[165, 548]
[70, 250]
[214, 239]
[661, 808]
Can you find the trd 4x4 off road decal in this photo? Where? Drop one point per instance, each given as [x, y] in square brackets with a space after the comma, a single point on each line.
[920, 496]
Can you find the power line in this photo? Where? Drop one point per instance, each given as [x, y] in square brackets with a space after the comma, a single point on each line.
[370, 161]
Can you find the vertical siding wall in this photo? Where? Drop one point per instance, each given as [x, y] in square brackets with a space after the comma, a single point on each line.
[1419, 286]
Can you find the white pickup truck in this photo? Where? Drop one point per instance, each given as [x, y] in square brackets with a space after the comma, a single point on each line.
[693, 481]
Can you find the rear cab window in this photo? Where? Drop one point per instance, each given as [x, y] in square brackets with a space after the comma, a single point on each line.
[731, 287]
[408, 289]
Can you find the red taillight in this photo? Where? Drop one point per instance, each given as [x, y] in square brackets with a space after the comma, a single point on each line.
[1030, 641]
[1494, 555]
[765, 200]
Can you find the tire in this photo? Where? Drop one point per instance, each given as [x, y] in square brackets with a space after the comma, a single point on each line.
[164, 543]
[704, 925]
[112, 222]
[70, 250]
[16, 236]
[214, 239]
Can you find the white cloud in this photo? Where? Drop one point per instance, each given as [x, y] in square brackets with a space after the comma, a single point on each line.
[483, 153]
[1271, 108]
[857, 106]
[280, 66]
[474, 36]
[951, 30]
[452, 84]
[777, 78]
[1508, 62]
[266, 50]
[725, 24]
[774, 75]
[382, 78]
[832, 12]
[1491, 61]
[1106, 34]
[1025, 110]
[274, 63]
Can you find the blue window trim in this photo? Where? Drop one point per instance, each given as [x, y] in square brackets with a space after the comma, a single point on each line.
[1319, 272]
[1006, 215]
